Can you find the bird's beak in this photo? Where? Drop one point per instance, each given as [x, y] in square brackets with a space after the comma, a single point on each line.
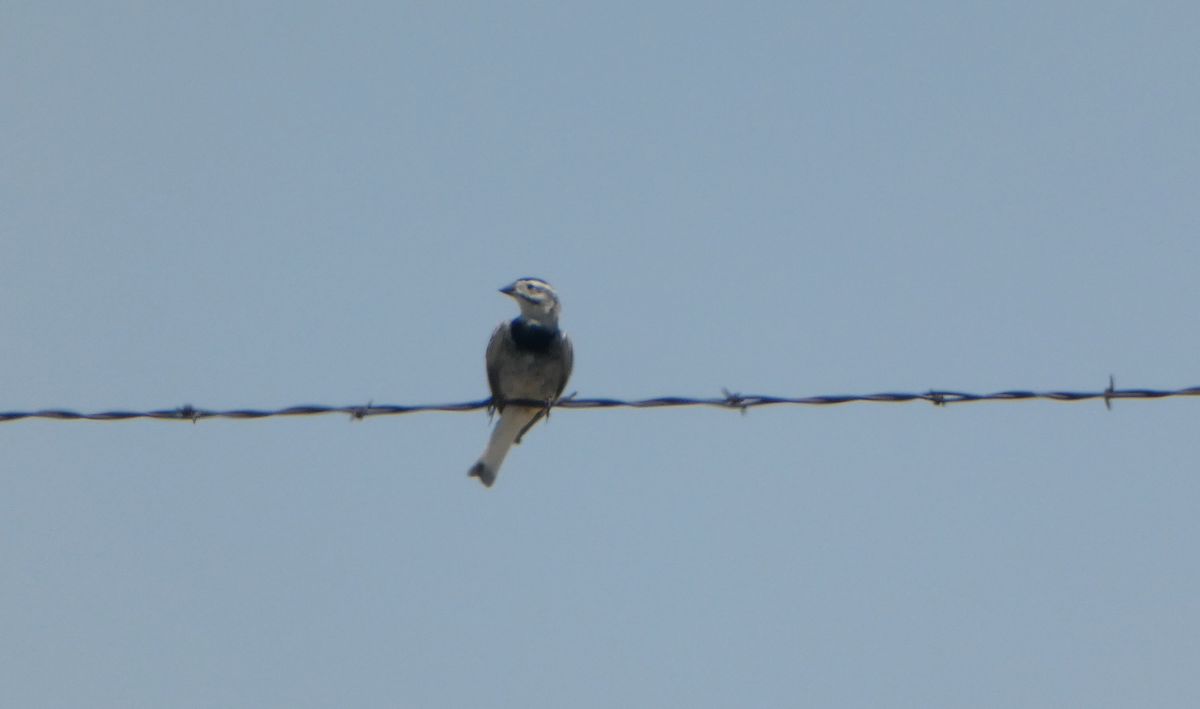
[510, 289]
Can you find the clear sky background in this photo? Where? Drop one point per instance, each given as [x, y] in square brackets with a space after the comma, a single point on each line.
[230, 204]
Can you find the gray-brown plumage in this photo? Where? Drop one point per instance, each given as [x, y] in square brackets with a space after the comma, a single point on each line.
[528, 358]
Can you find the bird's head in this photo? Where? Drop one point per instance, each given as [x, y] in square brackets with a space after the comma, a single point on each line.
[538, 301]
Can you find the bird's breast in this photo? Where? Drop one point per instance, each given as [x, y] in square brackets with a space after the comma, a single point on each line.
[531, 337]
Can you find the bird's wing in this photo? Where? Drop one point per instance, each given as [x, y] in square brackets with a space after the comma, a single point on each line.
[492, 359]
[567, 357]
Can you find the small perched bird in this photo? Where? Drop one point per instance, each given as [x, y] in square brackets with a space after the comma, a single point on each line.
[527, 358]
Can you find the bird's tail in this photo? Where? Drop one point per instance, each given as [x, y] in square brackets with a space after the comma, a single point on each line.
[512, 421]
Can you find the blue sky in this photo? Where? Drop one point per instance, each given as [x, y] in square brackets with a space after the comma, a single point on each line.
[231, 205]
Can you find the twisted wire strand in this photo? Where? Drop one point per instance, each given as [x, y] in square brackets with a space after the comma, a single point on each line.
[728, 401]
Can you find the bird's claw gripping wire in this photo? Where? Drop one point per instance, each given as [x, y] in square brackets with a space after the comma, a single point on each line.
[544, 412]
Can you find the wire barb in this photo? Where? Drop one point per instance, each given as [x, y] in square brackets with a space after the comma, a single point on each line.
[734, 400]
[729, 400]
[361, 412]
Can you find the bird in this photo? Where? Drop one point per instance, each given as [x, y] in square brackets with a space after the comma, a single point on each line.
[528, 358]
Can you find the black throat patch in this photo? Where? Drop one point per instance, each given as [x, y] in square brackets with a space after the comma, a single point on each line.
[531, 337]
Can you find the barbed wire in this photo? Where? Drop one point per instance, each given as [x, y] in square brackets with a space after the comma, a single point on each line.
[729, 400]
